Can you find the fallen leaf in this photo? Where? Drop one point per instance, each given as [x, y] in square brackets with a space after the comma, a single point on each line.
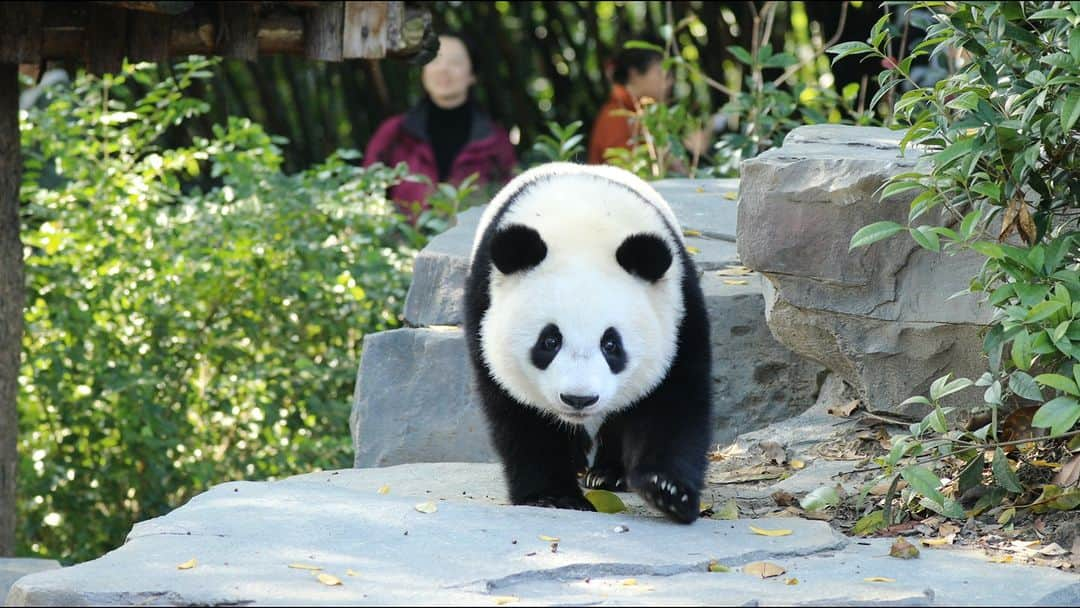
[384, 490]
[729, 510]
[754, 473]
[715, 567]
[1069, 475]
[773, 451]
[734, 271]
[1017, 425]
[1001, 559]
[820, 499]
[628, 582]
[688, 232]
[328, 579]
[879, 579]
[504, 599]
[305, 567]
[705, 509]
[1052, 550]
[937, 542]
[692, 250]
[699, 189]
[549, 539]
[188, 565]
[902, 549]
[947, 529]
[843, 410]
[882, 488]
[351, 572]
[784, 499]
[426, 507]
[791, 581]
[763, 569]
[604, 501]
[1006, 515]
[764, 532]
[731, 195]
[736, 282]
[797, 464]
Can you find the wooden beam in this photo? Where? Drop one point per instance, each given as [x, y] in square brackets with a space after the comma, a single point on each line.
[158, 8]
[12, 298]
[20, 32]
[323, 29]
[106, 39]
[240, 30]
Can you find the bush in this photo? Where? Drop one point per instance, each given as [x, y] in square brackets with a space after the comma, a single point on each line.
[193, 315]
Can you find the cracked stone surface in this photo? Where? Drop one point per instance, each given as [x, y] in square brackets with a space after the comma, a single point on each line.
[881, 316]
[475, 551]
[414, 401]
[14, 568]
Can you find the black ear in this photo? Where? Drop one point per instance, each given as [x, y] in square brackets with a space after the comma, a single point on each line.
[644, 255]
[516, 248]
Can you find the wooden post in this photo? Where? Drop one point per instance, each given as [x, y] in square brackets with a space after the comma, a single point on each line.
[12, 296]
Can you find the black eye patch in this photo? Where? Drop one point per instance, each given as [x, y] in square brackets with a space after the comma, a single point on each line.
[547, 346]
[612, 347]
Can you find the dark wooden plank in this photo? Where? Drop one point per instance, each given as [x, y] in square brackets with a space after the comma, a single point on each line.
[150, 34]
[106, 39]
[20, 32]
[240, 30]
[159, 8]
[12, 297]
[323, 29]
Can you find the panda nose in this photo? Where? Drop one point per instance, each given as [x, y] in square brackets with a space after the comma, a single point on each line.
[579, 402]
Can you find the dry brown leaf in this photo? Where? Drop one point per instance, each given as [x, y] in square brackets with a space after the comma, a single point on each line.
[328, 579]
[947, 529]
[1017, 426]
[769, 532]
[384, 490]
[1009, 219]
[188, 565]
[879, 579]
[784, 499]
[753, 473]
[1026, 225]
[305, 567]
[902, 549]
[882, 488]
[791, 581]
[763, 569]
[1069, 475]
[844, 410]
[426, 507]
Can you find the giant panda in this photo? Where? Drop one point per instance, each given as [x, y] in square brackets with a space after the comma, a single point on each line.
[589, 339]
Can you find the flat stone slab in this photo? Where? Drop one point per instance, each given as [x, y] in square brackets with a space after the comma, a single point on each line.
[245, 535]
[14, 568]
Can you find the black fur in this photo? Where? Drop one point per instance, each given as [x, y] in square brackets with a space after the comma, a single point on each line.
[516, 248]
[657, 447]
[612, 348]
[644, 255]
[547, 346]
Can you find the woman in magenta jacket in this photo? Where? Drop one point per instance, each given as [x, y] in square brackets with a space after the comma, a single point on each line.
[446, 137]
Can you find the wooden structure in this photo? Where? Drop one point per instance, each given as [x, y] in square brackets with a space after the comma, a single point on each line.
[99, 36]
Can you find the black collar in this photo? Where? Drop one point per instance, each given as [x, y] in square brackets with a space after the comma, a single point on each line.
[415, 122]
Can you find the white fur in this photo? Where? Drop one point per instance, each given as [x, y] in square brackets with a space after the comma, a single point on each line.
[583, 214]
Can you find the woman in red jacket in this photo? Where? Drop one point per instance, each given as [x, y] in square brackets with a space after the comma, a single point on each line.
[446, 137]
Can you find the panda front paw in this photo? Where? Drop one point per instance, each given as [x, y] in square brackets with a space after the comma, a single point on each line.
[676, 499]
[604, 479]
[577, 503]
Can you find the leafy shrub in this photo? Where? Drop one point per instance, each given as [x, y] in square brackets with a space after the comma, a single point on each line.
[194, 315]
[1001, 163]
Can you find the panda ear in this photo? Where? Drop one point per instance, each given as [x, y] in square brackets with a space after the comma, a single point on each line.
[516, 248]
[644, 255]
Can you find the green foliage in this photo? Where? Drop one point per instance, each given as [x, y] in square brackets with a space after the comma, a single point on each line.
[999, 163]
[564, 144]
[194, 315]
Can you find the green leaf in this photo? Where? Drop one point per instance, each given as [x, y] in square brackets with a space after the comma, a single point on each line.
[641, 44]
[1059, 382]
[820, 499]
[924, 481]
[869, 523]
[1004, 476]
[1070, 110]
[989, 249]
[926, 238]
[1045, 310]
[953, 152]
[605, 502]
[1024, 385]
[1021, 357]
[874, 233]
[971, 220]
[1051, 13]
[1074, 43]
[971, 476]
[1059, 415]
[741, 54]
[849, 48]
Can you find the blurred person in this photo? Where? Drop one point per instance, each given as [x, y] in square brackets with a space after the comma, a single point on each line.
[445, 137]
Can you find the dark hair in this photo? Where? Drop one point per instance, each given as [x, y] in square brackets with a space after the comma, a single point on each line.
[638, 59]
[467, 41]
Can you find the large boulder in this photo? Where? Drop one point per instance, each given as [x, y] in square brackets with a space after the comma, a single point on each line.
[414, 399]
[880, 316]
[14, 568]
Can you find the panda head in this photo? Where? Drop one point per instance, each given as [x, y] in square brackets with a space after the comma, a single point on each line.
[585, 299]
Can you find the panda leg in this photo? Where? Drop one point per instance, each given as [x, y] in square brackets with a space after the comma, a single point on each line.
[606, 471]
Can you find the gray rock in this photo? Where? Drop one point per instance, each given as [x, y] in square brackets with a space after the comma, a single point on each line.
[244, 536]
[415, 400]
[14, 568]
[879, 316]
[707, 206]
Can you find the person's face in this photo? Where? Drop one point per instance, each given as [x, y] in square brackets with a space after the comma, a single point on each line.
[447, 78]
[654, 82]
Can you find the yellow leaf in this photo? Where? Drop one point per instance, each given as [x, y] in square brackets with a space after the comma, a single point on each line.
[692, 250]
[305, 567]
[628, 582]
[729, 510]
[879, 579]
[188, 565]
[699, 189]
[791, 581]
[504, 599]
[1006, 515]
[426, 507]
[328, 579]
[763, 569]
[797, 464]
[764, 532]
[1001, 559]
[736, 282]
[935, 542]
[731, 195]
[351, 572]
[384, 490]
[604, 501]
[691, 233]
[549, 539]
[715, 567]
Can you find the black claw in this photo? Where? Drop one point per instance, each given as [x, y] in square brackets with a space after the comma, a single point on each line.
[675, 499]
